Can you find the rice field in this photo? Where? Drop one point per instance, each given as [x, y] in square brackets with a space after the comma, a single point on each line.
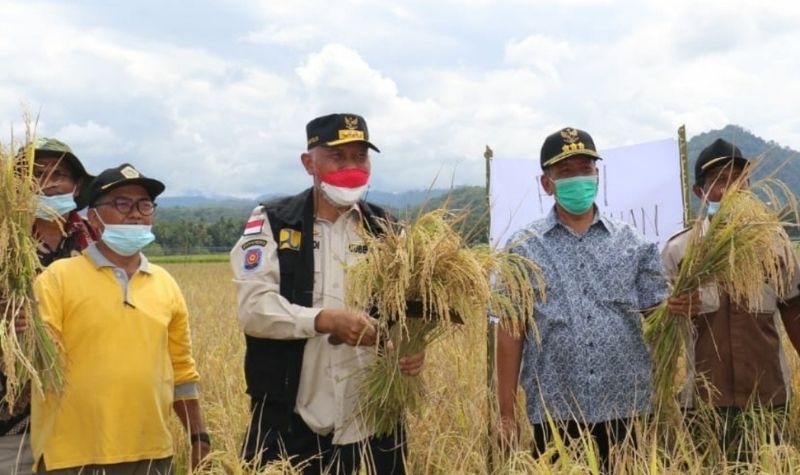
[451, 433]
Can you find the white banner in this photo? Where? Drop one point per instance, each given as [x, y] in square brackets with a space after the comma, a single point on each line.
[639, 184]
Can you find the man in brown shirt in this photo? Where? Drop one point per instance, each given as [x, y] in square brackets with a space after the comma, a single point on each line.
[736, 352]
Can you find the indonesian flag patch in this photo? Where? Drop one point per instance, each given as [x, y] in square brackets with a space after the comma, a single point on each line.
[253, 227]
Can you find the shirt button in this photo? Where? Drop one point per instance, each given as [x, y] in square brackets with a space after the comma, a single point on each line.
[591, 344]
[588, 317]
[591, 371]
[580, 266]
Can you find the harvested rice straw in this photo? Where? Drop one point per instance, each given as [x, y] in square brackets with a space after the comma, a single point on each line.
[30, 356]
[422, 280]
[743, 245]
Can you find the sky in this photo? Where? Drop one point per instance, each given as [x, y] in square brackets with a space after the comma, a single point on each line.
[212, 97]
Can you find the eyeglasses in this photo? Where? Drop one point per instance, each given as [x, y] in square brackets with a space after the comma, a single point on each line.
[126, 205]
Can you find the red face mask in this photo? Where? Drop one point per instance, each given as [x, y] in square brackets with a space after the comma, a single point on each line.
[344, 187]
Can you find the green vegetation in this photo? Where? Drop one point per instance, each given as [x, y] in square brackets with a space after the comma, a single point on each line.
[189, 258]
[469, 200]
[199, 235]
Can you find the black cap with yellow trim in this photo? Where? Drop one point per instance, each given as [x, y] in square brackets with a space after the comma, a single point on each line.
[122, 175]
[720, 152]
[337, 129]
[567, 142]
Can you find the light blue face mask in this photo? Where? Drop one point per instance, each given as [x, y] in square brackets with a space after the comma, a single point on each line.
[58, 204]
[126, 239]
[576, 194]
[712, 207]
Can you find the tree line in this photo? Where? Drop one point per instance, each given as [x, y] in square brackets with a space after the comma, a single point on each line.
[196, 236]
[184, 230]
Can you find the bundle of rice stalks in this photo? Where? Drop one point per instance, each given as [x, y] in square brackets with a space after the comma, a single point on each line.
[742, 246]
[30, 356]
[422, 280]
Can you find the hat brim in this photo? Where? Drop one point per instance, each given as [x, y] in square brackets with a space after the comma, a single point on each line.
[334, 143]
[152, 186]
[719, 161]
[700, 177]
[572, 153]
[72, 161]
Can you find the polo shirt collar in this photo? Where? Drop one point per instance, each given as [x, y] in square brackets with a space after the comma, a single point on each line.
[99, 260]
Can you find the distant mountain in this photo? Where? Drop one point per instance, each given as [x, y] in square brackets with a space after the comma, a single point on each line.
[403, 199]
[775, 156]
[470, 200]
[395, 200]
[195, 201]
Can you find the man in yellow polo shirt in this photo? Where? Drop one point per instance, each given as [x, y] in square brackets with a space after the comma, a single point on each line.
[123, 327]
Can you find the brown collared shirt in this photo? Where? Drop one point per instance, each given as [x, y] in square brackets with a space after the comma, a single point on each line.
[736, 350]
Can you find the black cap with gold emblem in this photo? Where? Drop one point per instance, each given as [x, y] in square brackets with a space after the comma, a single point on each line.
[337, 129]
[566, 143]
[718, 153]
[122, 175]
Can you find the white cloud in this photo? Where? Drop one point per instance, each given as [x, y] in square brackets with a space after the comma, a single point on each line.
[541, 52]
[295, 35]
[92, 138]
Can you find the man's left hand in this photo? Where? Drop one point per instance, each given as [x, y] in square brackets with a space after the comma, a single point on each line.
[411, 365]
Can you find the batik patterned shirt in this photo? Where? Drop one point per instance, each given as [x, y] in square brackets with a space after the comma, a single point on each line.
[591, 364]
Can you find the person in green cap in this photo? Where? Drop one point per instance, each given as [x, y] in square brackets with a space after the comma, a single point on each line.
[61, 232]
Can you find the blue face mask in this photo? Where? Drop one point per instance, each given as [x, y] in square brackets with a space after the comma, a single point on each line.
[126, 239]
[58, 204]
[576, 194]
[712, 207]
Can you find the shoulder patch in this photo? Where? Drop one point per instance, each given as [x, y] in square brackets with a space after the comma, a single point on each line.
[253, 258]
[253, 226]
[253, 242]
[289, 239]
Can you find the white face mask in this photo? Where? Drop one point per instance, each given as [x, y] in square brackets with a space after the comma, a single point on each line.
[344, 187]
[341, 196]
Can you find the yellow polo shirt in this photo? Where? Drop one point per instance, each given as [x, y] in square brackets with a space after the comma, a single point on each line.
[127, 352]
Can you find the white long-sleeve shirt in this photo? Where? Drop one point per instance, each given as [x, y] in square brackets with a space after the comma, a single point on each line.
[327, 398]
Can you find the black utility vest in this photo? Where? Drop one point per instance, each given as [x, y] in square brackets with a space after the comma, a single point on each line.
[272, 367]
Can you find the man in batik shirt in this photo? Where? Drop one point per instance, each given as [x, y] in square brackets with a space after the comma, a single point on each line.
[591, 370]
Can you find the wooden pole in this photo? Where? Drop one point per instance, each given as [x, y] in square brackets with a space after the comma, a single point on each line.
[490, 328]
[684, 164]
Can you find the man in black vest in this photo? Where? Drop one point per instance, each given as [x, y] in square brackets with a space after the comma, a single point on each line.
[304, 349]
